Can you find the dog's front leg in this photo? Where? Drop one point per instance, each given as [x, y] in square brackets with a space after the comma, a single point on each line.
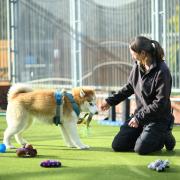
[71, 129]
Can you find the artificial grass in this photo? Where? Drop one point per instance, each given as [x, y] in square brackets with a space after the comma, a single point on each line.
[99, 162]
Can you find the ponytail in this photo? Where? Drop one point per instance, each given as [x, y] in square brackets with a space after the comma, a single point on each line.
[151, 47]
[158, 51]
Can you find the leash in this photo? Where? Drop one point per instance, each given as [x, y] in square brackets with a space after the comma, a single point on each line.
[86, 119]
[58, 97]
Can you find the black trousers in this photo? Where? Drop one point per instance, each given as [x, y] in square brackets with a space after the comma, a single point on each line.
[143, 140]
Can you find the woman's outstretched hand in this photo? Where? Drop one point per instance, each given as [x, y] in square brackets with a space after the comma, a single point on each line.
[104, 106]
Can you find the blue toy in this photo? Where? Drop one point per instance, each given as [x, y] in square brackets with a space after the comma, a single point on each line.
[2, 148]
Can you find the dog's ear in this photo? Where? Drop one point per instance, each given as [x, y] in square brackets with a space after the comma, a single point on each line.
[82, 93]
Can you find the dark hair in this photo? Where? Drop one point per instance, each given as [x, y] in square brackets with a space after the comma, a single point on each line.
[151, 47]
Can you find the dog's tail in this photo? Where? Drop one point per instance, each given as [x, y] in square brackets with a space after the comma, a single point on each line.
[18, 88]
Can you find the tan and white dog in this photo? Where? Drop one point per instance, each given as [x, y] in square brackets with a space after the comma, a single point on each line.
[25, 104]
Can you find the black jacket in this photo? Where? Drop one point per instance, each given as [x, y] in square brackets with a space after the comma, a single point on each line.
[152, 91]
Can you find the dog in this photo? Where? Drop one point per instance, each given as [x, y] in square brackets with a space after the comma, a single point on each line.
[25, 104]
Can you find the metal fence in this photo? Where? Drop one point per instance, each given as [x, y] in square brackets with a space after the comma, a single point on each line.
[83, 42]
[3, 41]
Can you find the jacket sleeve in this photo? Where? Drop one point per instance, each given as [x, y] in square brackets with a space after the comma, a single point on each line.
[124, 93]
[161, 101]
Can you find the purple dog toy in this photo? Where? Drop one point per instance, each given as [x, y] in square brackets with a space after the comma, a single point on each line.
[50, 163]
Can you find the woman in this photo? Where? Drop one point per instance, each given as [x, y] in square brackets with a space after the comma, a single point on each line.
[149, 129]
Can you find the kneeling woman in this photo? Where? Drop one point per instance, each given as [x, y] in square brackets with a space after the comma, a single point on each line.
[150, 81]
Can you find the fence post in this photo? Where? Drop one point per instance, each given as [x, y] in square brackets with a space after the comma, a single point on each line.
[112, 111]
[125, 109]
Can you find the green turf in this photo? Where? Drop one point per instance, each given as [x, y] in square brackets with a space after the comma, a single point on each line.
[100, 162]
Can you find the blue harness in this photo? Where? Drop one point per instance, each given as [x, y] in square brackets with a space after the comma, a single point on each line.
[58, 97]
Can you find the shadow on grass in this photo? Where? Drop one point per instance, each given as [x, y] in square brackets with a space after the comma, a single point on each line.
[176, 152]
[120, 171]
[163, 152]
[46, 156]
[51, 148]
[45, 145]
[43, 138]
[101, 149]
[13, 155]
[56, 147]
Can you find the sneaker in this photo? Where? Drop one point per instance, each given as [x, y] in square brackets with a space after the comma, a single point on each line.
[170, 141]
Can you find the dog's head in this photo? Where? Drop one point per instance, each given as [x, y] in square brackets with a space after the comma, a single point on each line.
[86, 99]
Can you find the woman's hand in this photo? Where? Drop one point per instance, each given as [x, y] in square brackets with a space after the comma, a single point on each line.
[133, 123]
[104, 106]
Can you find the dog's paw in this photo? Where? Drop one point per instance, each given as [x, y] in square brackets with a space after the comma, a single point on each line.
[84, 147]
[10, 147]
